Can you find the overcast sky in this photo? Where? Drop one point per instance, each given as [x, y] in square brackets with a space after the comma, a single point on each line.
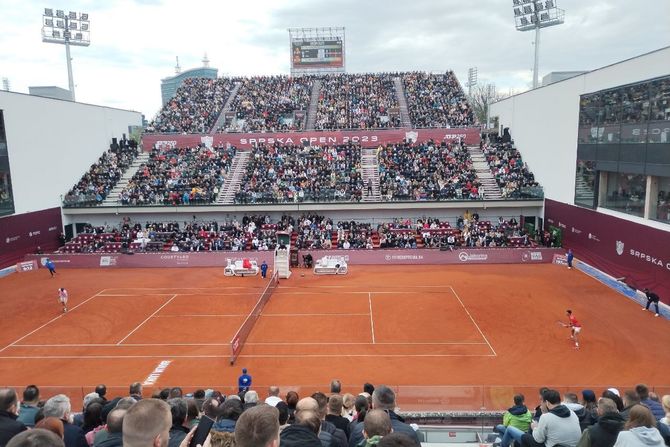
[134, 42]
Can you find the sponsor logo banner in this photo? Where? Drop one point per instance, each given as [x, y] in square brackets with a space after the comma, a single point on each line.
[618, 247]
[367, 138]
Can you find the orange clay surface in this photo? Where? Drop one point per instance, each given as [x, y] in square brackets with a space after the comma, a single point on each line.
[445, 337]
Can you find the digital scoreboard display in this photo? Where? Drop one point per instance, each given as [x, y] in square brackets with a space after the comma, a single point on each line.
[317, 54]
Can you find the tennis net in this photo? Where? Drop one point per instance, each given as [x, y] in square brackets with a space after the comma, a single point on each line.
[240, 337]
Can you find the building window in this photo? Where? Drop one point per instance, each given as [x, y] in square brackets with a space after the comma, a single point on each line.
[662, 208]
[585, 183]
[626, 193]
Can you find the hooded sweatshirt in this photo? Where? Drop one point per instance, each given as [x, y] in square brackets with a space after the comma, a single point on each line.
[518, 416]
[604, 432]
[558, 426]
[640, 437]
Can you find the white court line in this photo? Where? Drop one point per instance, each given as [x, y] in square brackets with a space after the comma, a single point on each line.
[372, 322]
[130, 345]
[348, 287]
[52, 320]
[474, 322]
[147, 319]
[219, 356]
[262, 315]
[185, 294]
[200, 315]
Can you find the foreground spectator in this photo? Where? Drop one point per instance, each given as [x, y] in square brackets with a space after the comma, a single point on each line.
[36, 438]
[377, 425]
[653, 405]
[258, 427]
[329, 434]
[517, 416]
[59, 407]
[304, 432]
[398, 440]
[334, 415]
[31, 397]
[558, 425]
[180, 426]
[383, 398]
[114, 436]
[640, 430]
[9, 411]
[147, 423]
[604, 432]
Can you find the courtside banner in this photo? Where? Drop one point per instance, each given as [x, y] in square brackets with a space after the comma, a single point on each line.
[362, 257]
[366, 138]
[158, 260]
[23, 233]
[615, 246]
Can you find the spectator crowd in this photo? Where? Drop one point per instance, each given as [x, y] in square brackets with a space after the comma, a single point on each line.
[179, 176]
[287, 173]
[427, 171]
[357, 101]
[436, 100]
[169, 417]
[511, 173]
[98, 181]
[270, 103]
[194, 108]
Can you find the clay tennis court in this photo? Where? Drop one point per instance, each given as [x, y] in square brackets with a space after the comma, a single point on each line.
[454, 337]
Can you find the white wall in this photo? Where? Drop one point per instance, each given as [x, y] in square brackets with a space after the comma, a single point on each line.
[51, 143]
[544, 122]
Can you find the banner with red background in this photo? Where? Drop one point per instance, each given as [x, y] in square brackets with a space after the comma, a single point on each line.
[366, 138]
[23, 233]
[618, 247]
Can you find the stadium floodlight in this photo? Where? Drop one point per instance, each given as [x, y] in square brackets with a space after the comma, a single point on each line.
[51, 33]
[534, 15]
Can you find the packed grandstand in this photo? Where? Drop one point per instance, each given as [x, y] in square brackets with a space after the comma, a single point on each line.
[338, 101]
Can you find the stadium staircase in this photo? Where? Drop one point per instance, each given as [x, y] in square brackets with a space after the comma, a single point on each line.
[231, 185]
[488, 183]
[313, 104]
[402, 102]
[112, 198]
[221, 120]
[370, 172]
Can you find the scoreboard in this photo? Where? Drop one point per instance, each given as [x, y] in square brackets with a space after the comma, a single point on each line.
[312, 53]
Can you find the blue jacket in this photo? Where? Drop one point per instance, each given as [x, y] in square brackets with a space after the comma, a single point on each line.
[244, 382]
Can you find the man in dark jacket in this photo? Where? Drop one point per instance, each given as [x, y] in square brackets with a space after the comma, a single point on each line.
[59, 407]
[383, 398]
[115, 429]
[330, 435]
[655, 406]
[305, 431]
[179, 429]
[604, 432]
[31, 397]
[9, 411]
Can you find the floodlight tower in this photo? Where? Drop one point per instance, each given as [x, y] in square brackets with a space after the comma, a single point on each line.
[472, 79]
[66, 29]
[534, 15]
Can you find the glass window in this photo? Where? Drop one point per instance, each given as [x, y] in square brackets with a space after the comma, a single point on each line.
[626, 193]
[662, 208]
[634, 133]
[635, 101]
[585, 181]
[660, 100]
[611, 108]
[6, 196]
